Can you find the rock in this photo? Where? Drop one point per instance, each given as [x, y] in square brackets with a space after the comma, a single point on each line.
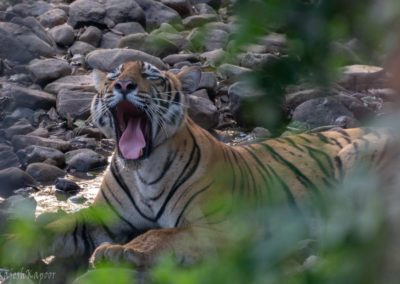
[24, 141]
[35, 27]
[274, 43]
[362, 77]
[8, 158]
[81, 47]
[86, 160]
[239, 92]
[199, 20]
[230, 71]
[129, 28]
[207, 40]
[326, 111]
[220, 26]
[92, 35]
[202, 93]
[63, 35]
[190, 79]
[43, 71]
[256, 60]
[208, 81]
[183, 7]
[163, 44]
[109, 40]
[214, 3]
[83, 83]
[203, 112]
[133, 41]
[24, 97]
[38, 154]
[104, 13]
[214, 57]
[40, 132]
[157, 13]
[20, 127]
[18, 38]
[34, 8]
[74, 103]
[53, 18]
[44, 173]
[203, 8]
[109, 59]
[175, 58]
[18, 206]
[12, 179]
[261, 133]
[19, 113]
[293, 100]
[67, 185]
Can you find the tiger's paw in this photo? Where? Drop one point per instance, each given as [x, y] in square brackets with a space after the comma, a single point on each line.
[119, 254]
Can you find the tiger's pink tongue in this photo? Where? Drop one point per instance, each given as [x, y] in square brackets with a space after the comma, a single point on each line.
[132, 140]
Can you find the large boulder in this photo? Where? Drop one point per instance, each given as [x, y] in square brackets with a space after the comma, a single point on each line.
[53, 18]
[157, 13]
[7, 157]
[33, 24]
[14, 178]
[83, 83]
[32, 8]
[24, 141]
[362, 77]
[44, 173]
[104, 12]
[38, 154]
[109, 59]
[43, 71]
[85, 160]
[76, 104]
[24, 97]
[63, 35]
[202, 111]
[22, 44]
[92, 35]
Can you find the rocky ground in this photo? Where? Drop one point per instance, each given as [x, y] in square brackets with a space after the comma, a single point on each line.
[48, 148]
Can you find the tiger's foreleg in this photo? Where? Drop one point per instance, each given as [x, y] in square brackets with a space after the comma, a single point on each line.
[188, 244]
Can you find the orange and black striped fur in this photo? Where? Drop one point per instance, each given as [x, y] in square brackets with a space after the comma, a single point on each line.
[162, 199]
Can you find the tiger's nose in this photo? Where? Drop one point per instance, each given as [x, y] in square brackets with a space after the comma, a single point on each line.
[125, 86]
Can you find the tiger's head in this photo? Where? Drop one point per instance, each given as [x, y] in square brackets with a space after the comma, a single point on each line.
[139, 106]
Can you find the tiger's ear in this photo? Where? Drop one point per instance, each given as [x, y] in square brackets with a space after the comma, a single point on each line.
[98, 78]
[190, 79]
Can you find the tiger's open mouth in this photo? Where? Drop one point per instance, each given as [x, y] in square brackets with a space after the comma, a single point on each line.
[133, 129]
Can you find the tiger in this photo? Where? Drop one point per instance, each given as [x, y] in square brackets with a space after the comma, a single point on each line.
[166, 171]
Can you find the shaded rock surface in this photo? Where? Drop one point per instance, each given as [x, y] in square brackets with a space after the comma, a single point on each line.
[74, 103]
[86, 160]
[14, 178]
[44, 173]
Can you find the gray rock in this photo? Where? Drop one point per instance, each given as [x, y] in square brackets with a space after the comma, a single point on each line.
[274, 43]
[204, 8]
[67, 185]
[199, 20]
[38, 154]
[163, 44]
[190, 79]
[293, 100]
[109, 59]
[214, 3]
[53, 18]
[256, 60]
[202, 93]
[175, 58]
[19, 113]
[261, 133]
[12, 179]
[43, 71]
[220, 26]
[44, 173]
[183, 7]
[129, 28]
[86, 160]
[74, 103]
[157, 13]
[18, 38]
[230, 71]
[133, 41]
[63, 35]
[81, 47]
[214, 57]
[24, 97]
[40, 132]
[207, 40]
[92, 35]
[18, 206]
[20, 127]
[8, 158]
[35, 27]
[208, 81]
[110, 40]
[202, 111]
[104, 13]
[83, 83]
[326, 111]
[24, 141]
[34, 8]
[362, 77]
